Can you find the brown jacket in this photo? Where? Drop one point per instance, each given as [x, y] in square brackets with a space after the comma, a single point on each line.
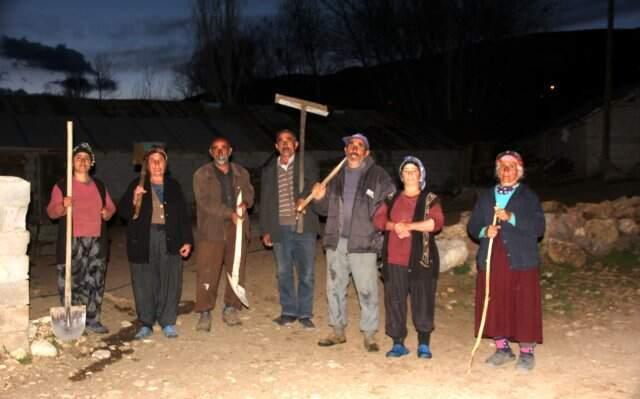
[211, 212]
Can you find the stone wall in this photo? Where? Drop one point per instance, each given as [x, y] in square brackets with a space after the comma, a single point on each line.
[572, 233]
[14, 264]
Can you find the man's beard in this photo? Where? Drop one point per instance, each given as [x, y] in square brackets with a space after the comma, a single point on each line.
[221, 160]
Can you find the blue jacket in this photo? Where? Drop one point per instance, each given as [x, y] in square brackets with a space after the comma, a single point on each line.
[520, 240]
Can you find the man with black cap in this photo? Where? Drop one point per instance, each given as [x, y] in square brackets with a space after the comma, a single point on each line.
[349, 201]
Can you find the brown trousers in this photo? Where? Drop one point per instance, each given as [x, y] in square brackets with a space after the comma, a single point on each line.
[211, 258]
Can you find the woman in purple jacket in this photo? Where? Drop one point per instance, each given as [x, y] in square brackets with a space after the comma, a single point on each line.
[515, 310]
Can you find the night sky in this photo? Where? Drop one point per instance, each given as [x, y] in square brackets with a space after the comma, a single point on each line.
[151, 35]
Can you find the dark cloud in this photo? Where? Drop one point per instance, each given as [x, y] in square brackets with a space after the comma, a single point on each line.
[158, 56]
[37, 55]
[154, 28]
[166, 26]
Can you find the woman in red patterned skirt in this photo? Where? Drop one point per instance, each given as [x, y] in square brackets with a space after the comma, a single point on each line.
[515, 309]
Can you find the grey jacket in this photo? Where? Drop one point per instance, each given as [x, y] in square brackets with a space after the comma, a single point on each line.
[374, 186]
[269, 222]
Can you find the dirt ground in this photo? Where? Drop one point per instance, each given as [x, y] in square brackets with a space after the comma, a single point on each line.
[591, 348]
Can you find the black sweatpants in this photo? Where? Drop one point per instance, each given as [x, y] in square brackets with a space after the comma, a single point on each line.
[397, 286]
[157, 285]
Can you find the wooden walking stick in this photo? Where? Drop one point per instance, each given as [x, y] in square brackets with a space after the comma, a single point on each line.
[485, 305]
[304, 106]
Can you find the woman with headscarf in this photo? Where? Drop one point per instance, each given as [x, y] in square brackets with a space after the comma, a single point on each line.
[514, 311]
[410, 257]
[157, 240]
[92, 208]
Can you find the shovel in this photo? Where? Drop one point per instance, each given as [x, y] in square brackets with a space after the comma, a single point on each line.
[68, 321]
[237, 256]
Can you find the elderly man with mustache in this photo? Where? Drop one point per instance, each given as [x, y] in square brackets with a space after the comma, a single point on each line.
[293, 248]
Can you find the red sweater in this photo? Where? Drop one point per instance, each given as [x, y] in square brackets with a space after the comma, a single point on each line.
[86, 208]
[399, 250]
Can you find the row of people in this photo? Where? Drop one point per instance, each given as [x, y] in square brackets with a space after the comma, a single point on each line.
[358, 203]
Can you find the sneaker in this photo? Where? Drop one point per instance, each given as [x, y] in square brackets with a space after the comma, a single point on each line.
[97, 327]
[370, 344]
[398, 350]
[307, 324]
[170, 331]
[284, 320]
[143, 333]
[526, 362]
[204, 323]
[230, 316]
[500, 357]
[335, 338]
[424, 352]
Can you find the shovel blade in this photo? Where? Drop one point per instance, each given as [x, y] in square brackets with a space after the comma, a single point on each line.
[68, 323]
[238, 290]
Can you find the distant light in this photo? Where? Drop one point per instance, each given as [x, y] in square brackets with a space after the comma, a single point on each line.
[552, 87]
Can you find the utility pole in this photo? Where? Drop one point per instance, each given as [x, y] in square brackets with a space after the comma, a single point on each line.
[605, 158]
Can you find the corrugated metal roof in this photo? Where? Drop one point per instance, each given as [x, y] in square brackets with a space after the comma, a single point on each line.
[39, 121]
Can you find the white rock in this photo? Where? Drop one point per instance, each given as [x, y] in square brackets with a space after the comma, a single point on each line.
[628, 227]
[19, 354]
[14, 243]
[14, 268]
[14, 191]
[43, 348]
[43, 320]
[13, 218]
[101, 354]
[452, 253]
[125, 324]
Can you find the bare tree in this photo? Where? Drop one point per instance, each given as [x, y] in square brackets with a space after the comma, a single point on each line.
[183, 82]
[146, 88]
[224, 54]
[305, 25]
[74, 85]
[103, 81]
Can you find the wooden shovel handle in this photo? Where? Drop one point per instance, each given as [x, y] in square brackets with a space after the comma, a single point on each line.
[67, 260]
[138, 201]
[326, 181]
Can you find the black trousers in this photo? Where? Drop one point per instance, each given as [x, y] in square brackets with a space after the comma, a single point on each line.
[157, 285]
[398, 285]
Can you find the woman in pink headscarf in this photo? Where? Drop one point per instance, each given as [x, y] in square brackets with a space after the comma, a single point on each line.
[515, 310]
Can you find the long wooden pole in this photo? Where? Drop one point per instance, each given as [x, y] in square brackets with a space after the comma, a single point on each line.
[487, 297]
[303, 123]
[606, 117]
[67, 259]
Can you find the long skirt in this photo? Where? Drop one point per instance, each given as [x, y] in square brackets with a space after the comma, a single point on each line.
[515, 306]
